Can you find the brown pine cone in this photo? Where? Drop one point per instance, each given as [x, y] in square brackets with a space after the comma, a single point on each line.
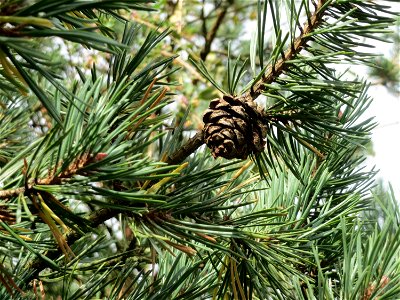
[233, 128]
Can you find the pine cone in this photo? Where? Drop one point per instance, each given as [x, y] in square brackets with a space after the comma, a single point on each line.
[233, 128]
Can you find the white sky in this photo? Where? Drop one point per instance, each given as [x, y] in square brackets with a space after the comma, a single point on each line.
[386, 136]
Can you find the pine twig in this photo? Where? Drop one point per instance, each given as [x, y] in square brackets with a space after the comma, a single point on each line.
[213, 32]
[5, 194]
[96, 218]
[187, 149]
[73, 168]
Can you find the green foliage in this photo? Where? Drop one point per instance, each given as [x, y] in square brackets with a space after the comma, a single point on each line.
[90, 207]
[387, 68]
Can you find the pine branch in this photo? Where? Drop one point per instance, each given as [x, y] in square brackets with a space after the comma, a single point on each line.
[256, 234]
[99, 217]
[96, 218]
[72, 169]
[5, 194]
[213, 32]
[187, 149]
[273, 71]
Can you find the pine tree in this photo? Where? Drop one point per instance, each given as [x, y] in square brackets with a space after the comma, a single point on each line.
[109, 193]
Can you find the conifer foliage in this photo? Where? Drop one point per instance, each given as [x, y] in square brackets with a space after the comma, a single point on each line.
[108, 193]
